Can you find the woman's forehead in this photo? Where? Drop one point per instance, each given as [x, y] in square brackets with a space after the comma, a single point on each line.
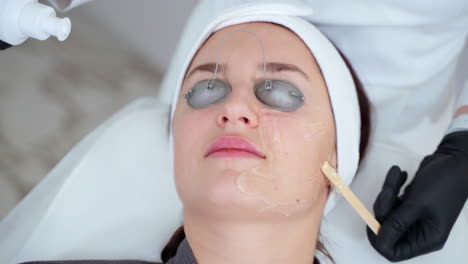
[280, 45]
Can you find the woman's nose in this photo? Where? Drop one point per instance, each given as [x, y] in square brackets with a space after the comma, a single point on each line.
[237, 112]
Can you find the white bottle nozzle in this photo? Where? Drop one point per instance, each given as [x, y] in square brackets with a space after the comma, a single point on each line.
[58, 27]
[20, 19]
[40, 21]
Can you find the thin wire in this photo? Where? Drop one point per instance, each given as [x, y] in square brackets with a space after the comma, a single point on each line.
[221, 47]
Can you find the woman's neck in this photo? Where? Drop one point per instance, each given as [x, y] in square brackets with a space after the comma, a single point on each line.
[289, 240]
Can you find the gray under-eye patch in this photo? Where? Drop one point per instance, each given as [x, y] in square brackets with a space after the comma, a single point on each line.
[207, 93]
[277, 94]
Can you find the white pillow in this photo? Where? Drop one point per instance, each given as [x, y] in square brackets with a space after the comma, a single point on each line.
[104, 199]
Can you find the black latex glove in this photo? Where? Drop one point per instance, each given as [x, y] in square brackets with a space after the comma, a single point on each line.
[420, 220]
[4, 45]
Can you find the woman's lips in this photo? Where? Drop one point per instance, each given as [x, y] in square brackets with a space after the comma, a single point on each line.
[233, 147]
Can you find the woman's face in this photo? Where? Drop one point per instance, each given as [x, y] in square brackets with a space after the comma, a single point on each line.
[284, 178]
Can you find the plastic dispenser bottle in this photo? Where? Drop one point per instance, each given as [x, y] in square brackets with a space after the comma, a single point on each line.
[23, 19]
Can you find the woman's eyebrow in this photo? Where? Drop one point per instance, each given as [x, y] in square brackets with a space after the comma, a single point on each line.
[271, 67]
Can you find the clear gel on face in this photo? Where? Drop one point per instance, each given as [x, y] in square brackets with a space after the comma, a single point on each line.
[290, 181]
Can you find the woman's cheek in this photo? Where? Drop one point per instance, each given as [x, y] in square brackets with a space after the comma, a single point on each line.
[187, 151]
[290, 180]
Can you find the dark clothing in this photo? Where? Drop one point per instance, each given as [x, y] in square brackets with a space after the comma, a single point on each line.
[4, 45]
[184, 256]
[91, 262]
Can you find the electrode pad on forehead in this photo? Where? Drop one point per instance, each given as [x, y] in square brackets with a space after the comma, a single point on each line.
[276, 94]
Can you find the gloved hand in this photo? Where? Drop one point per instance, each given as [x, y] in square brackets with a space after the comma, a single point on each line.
[4, 45]
[420, 220]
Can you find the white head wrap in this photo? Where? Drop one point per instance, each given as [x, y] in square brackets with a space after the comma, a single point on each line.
[341, 88]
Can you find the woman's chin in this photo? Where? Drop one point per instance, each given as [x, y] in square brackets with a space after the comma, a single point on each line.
[223, 199]
[225, 191]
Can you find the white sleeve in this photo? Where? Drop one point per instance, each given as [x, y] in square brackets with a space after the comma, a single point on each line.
[462, 99]
[405, 54]
[66, 5]
[460, 123]
[461, 80]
